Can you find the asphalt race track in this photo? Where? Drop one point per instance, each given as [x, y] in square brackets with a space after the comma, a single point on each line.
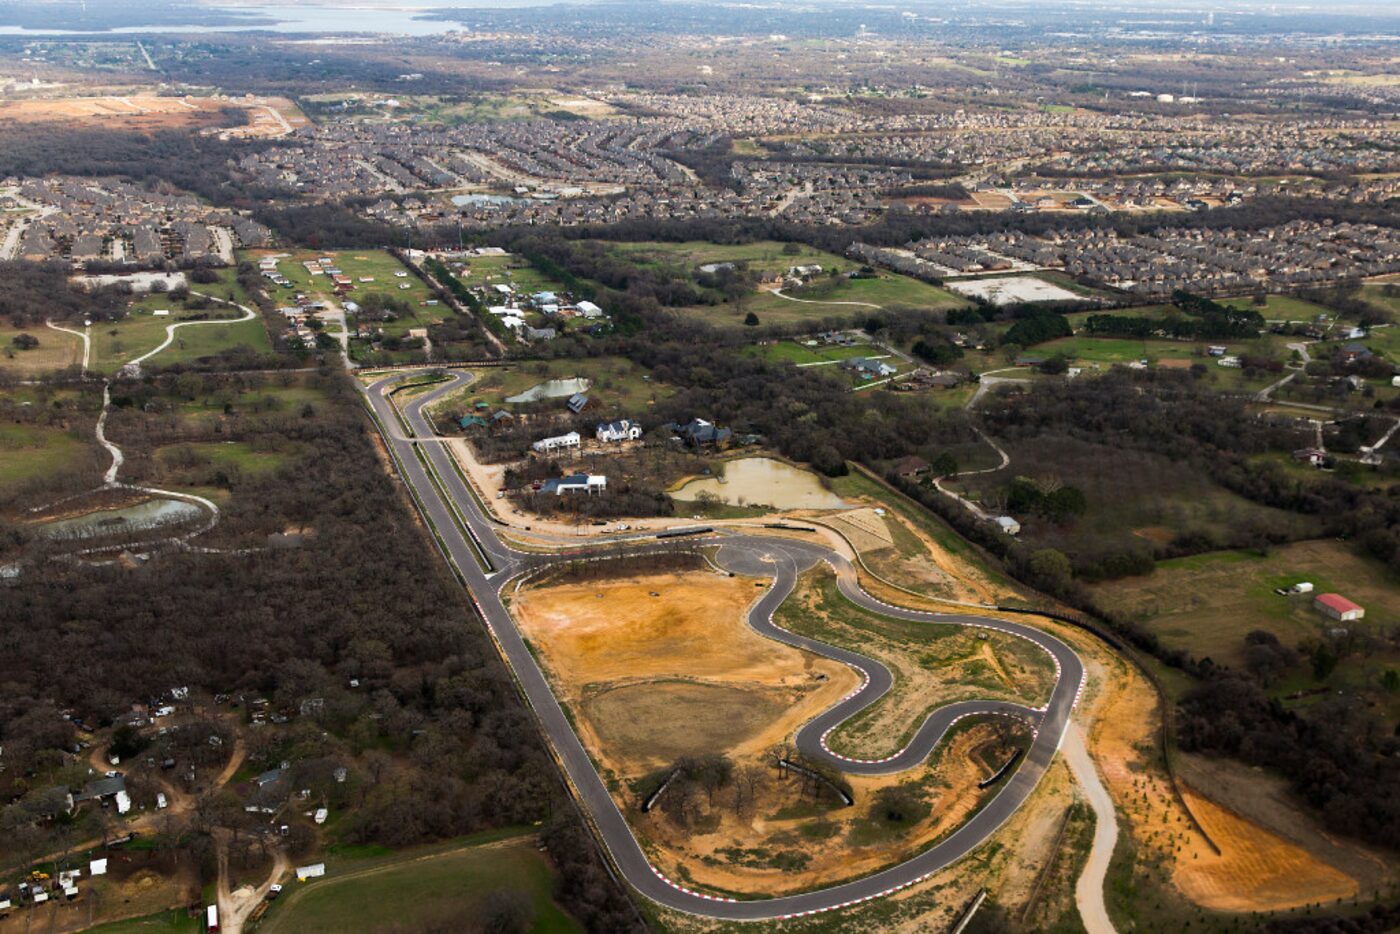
[783, 560]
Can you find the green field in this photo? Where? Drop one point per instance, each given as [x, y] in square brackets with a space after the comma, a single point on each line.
[266, 396]
[761, 256]
[456, 109]
[29, 451]
[794, 352]
[415, 890]
[620, 387]
[1373, 292]
[1135, 500]
[1078, 319]
[117, 343]
[1280, 308]
[1207, 603]
[823, 298]
[375, 264]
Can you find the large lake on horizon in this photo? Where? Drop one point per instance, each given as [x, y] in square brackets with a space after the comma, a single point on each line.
[343, 18]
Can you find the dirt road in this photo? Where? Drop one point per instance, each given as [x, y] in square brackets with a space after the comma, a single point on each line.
[236, 906]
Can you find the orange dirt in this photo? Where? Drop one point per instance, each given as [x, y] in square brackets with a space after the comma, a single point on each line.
[1258, 871]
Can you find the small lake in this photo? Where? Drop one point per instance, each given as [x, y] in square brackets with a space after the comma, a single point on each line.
[767, 482]
[552, 389]
[142, 517]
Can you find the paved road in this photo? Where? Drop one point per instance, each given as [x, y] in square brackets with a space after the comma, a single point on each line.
[487, 565]
[1088, 891]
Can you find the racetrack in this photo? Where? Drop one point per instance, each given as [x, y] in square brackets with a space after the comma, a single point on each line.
[486, 565]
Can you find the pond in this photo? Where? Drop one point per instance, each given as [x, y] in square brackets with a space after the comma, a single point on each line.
[141, 517]
[552, 389]
[764, 481]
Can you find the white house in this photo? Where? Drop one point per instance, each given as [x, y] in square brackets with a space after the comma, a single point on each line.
[621, 430]
[557, 443]
[589, 310]
[1008, 525]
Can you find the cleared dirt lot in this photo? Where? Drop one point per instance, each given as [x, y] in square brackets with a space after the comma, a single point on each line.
[150, 112]
[715, 717]
[665, 652]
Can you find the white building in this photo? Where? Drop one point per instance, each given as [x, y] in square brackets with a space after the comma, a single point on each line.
[589, 310]
[557, 443]
[1008, 525]
[621, 430]
[586, 483]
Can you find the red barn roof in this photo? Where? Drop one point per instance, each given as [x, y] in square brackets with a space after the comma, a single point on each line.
[1337, 603]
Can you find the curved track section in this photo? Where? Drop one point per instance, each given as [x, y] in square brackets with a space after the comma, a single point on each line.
[486, 565]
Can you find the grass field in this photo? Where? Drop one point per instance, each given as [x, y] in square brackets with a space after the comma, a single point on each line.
[827, 298]
[265, 396]
[56, 351]
[201, 463]
[117, 343]
[793, 352]
[417, 890]
[28, 451]
[1374, 293]
[762, 255]
[767, 256]
[618, 385]
[1280, 308]
[1208, 603]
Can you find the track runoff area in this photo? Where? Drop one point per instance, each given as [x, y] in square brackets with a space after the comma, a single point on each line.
[486, 564]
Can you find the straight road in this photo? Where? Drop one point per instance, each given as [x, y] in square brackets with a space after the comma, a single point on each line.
[486, 565]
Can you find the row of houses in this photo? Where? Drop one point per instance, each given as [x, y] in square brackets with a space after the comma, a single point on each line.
[87, 220]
